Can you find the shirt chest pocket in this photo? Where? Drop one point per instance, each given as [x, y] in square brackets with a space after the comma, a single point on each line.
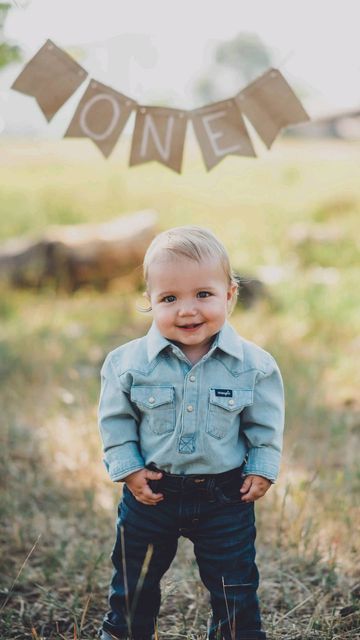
[225, 407]
[157, 406]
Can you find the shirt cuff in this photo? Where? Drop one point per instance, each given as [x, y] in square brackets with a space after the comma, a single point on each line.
[122, 460]
[262, 461]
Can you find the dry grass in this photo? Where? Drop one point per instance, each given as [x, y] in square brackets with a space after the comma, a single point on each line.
[57, 506]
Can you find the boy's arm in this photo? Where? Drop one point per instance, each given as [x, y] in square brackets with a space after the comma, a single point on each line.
[118, 424]
[263, 423]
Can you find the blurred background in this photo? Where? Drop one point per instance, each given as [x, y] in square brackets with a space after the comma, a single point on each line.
[290, 220]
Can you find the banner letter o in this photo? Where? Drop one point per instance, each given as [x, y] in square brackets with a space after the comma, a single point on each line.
[113, 121]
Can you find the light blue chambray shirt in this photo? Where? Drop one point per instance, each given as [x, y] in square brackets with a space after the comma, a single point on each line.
[156, 406]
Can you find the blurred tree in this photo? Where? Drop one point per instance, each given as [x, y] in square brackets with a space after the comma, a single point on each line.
[236, 63]
[246, 54]
[8, 52]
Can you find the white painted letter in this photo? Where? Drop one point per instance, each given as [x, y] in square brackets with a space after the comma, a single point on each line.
[214, 135]
[149, 127]
[115, 117]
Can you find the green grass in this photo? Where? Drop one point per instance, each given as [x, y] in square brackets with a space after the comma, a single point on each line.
[52, 345]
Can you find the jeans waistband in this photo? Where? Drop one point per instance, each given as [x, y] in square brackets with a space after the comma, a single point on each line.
[175, 483]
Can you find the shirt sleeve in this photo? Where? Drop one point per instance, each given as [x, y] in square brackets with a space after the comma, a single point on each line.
[263, 424]
[118, 423]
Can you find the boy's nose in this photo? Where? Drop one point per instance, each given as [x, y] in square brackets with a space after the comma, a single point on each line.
[187, 310]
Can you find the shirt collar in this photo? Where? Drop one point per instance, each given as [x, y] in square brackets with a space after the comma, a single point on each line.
[227, 340]
[155, 342]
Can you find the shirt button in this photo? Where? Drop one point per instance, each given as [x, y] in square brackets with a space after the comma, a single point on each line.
[190, 408]
[192, 378]
[231, 402]
[152, 399]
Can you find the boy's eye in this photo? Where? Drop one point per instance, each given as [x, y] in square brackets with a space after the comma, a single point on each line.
[168, 299]
[204, 294]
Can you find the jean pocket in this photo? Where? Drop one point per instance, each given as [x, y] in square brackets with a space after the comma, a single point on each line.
[224, 410]
[154, 485]
[157, 406]
[231, 490]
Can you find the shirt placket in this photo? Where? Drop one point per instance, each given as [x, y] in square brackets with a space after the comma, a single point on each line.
[190, 403]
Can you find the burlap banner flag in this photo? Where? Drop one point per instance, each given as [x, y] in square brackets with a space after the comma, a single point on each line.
[51, 77]
[101, 115]
[221, 131]
[270, 104]
[159, 135]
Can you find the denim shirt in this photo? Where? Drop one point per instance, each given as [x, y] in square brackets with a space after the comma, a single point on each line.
[156, 406]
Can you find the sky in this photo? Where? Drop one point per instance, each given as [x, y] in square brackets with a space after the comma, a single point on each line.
[149, 49]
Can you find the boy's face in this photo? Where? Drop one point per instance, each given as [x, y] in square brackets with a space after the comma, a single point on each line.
[189, 301]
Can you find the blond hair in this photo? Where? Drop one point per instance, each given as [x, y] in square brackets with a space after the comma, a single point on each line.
[191, 242]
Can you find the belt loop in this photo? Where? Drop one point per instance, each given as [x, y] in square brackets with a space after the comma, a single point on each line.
[210, 485]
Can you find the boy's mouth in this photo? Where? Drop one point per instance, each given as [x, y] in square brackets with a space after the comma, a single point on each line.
[190, 327]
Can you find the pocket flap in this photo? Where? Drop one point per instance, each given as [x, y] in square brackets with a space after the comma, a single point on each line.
[152, 396]
[239, 398]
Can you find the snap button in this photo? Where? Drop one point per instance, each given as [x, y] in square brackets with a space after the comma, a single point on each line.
[231, 402]
[192, 378]
[151, 399]
[189, 408]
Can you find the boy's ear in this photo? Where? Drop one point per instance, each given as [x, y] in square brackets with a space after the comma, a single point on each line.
[140, 307]
[147, 297]
[231, 291]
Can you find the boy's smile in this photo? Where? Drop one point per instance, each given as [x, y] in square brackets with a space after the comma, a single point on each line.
[189, 300]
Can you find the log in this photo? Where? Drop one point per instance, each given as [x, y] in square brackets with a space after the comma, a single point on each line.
[71, 256]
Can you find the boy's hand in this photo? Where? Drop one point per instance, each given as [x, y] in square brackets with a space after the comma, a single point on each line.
[137, 483]
[254, 487]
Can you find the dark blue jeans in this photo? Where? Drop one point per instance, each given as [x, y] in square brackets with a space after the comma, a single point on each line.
[222, 529]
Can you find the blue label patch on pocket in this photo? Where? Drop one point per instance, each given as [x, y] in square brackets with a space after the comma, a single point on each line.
[224, 393]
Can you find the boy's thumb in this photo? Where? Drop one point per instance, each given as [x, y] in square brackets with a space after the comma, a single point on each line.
[245, 485]
[153, 475]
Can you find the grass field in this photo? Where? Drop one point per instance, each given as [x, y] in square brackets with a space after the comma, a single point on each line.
[57, 505]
